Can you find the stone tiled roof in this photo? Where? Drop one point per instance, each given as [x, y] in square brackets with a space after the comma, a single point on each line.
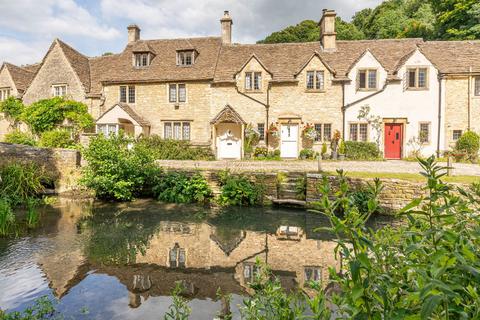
[135, 116]
[119, 67]
[285, 60]
[22, 76]
[79, 63]
[453, 56]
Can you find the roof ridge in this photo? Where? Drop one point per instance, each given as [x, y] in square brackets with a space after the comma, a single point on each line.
[186, 38]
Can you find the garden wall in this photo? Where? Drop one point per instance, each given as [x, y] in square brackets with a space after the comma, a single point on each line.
[61, 164]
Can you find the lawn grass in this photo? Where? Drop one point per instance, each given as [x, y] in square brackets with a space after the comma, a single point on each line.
[415, 177]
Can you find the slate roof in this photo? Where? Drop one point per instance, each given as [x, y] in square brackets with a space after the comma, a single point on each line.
[79, 63]
[22, 76]
[453, 56]
[135, 116]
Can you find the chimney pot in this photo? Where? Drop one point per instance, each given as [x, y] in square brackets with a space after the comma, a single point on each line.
[328, 36]
[226, 23]
[133, 33]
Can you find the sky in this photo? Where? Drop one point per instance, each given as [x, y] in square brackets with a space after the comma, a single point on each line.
[28, 27]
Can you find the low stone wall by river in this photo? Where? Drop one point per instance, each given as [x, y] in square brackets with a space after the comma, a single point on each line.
[61, 164]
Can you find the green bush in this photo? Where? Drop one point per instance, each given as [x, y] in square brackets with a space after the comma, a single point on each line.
[238, 190]
[19, 137]
[59, 138]
[45, 115]
[358, 150]
[118, 169]
[12, 108]
[308, 154]
[469, 144]
[260, 152]
[175, 149]
[22, 181]
[179, 188]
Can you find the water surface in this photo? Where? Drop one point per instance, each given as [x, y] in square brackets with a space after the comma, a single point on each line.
[122, 261]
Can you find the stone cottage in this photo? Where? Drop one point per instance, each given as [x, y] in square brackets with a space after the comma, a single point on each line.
[212, 92]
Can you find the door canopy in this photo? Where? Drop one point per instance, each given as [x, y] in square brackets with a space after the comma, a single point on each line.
[228, 115]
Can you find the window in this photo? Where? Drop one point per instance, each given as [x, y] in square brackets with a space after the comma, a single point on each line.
[107, 129]
[127, 93]
[456, 134]
[324, 132]
[142, 60]
[359, 132]
[313, 274]
[59, 90]
[176, 130]
[261, 130]
[177, 257]
[315, 80]
[417, 78]
[367, 79]
[4, 94]
[177, 92]
[253, 81]
[250, 270]
[477, 86]
[185, 58]
[424, 132]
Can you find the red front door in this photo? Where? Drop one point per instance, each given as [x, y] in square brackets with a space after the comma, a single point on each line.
[393, 140]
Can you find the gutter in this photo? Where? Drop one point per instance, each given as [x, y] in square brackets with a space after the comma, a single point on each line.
[439, 114]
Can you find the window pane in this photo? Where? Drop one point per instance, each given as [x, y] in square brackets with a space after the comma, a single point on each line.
[310, 79]
[112, 129]
[131, 94]
[353, 132]
[457, 134]
[261, 130]
[123, 94]
[248, 80]
[320, 80]
[173, 257]
[177, 131]
[257, 81]
[318, 129]
[188, 58]
[362, 80]
[477, 86]
[181, 258]
[102, 128]
[173, 93]
[327, 132]
[372, 79]
[182, 93]
[186, 131]
[422, 78]
[363, 132]
[167, 130]
[412, 74]
[145, 59]
[424, 132]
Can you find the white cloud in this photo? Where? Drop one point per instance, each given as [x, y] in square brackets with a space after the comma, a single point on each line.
[52, 18]
[18, 52]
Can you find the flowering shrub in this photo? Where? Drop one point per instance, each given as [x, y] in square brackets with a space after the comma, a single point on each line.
[273, 130]
[309, 131]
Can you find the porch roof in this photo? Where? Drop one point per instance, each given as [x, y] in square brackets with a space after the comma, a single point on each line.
[228, 114]
[129, 111]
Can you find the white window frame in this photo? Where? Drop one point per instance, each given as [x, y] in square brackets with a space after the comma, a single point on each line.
[4, 93]
[109, 127]
[260, 131]
[318, 84]
[417, 78]
[128, 96]
[56, 87]
[368, 86]
[182, 58]
[172, 124]
[141, 59]
[454, 132]
[429, 125]
[255, 81]
[320, 129]
[177, 87]
[358, 135]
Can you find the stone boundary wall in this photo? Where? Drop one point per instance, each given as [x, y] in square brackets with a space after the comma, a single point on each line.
[63, 165]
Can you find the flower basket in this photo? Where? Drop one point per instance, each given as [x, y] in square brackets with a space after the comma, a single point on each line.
[273, 130]
[309, 132]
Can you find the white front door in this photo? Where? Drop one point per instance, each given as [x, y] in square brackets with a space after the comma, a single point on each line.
[229, 144]
[289, 141]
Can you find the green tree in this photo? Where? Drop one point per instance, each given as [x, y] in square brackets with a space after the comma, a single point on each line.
[457, 19]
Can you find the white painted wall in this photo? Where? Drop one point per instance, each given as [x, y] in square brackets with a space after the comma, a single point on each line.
[397, 101]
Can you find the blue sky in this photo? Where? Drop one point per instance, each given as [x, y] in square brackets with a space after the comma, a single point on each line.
[27, 27]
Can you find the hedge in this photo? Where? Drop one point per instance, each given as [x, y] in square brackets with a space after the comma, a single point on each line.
[357, 150]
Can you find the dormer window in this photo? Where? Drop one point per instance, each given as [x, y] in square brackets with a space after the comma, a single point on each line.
[142, 60]
[367, 79]
[185, 58]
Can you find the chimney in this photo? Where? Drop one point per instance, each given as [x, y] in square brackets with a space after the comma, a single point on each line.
[328, 36]
[133, 33]
[226, 23]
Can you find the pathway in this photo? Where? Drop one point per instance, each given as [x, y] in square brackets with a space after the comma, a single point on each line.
[391, 166]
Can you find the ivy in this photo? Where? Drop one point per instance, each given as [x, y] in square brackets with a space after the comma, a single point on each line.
[12, 108]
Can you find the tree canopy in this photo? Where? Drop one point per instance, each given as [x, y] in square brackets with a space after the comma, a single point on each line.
[427, 19]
